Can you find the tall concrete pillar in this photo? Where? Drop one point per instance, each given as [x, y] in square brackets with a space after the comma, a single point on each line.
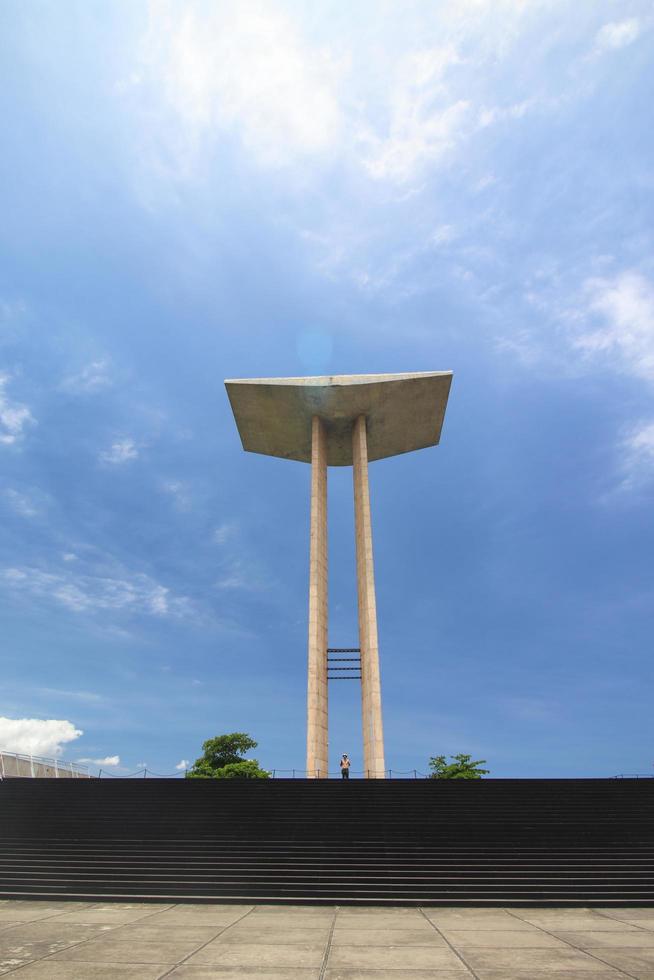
[341, 420]
[374, 762]
[317, 740]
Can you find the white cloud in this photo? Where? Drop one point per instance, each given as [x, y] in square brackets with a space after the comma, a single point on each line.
[241, 67]
[109, 760]
[617, 34]
[69, 556]
[82, 593]
[141, 765]
[225, 531]
[296, 86]
[93, 377]
[624, 306]
[486, 181]
[180, 492]
[120, 452]
[158, 600]
[14, 417]
[183, 764]
[443, 234]
[637, 452]
[244, 575]
[425, 122]
[488, 116]
[612, 325]
[10, 311]
[33, 736]
[21, 503]
[77, 695]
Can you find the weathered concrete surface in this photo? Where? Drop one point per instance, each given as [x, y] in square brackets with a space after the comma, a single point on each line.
[14, 764]
[317, 739]
[136, 941]
[374, 764]
[404, 412]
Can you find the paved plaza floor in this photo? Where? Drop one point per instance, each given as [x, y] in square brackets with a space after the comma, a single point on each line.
[138, 941]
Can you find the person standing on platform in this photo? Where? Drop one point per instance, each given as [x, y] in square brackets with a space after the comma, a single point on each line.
[345, 766]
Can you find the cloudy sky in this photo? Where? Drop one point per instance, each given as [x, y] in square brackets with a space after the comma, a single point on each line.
[193, 191]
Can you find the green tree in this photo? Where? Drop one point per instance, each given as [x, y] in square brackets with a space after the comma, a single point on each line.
[461, 767]
[223, 758]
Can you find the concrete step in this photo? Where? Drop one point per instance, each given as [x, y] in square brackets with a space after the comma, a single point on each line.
[413, 842]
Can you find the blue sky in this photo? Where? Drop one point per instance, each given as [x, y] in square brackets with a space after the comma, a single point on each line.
[193, 191]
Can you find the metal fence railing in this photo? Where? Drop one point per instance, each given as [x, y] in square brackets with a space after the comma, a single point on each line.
[22, 765]
[356, 773]
[142, 774]
[19, 765]
[273, 773]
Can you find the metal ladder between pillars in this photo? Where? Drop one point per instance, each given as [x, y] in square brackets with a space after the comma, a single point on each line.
[343, 673]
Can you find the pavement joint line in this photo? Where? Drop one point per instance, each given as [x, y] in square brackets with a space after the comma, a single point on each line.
[645, 929]
[593, 956]
[82, 942]
[10, 925]
[456, 952]
[46, 918]
[172, 906]
[328, 944]
[202, 945]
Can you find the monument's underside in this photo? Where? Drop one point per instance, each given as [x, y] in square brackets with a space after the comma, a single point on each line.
[403, 412]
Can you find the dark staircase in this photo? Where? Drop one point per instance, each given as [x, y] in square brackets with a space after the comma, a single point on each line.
[428, 842]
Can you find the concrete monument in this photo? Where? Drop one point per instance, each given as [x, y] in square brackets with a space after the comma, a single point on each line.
[341, 420]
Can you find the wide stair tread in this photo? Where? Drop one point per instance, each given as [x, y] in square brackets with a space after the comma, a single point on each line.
[371, 841]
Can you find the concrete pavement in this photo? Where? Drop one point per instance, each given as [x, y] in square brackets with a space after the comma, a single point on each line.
[139, 941]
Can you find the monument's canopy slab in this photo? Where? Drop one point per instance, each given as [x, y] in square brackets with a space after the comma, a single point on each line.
[403, 411]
